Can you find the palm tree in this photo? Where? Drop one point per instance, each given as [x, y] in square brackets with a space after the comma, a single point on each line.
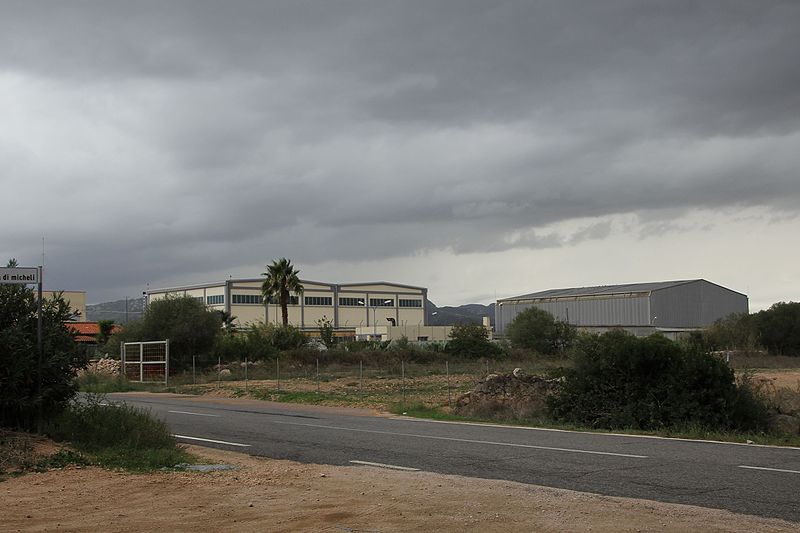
[281, 280]
[227, 320]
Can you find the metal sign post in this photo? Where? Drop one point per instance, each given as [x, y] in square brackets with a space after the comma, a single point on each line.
[39, 347]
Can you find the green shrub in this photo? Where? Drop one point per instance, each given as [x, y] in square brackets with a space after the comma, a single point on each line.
[779, 328]
[472, 341]
[192, 329]
[537, 330]
[102, 383]
[29, 391]
[621, 381]
[118, 436]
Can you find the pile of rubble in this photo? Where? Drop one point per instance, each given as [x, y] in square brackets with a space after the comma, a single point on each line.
[786, 403]
[104, 366]
[508, 397]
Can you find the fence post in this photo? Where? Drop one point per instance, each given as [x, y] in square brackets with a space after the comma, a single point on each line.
[245, 375]
[278, 373]
[403, 374]
[219, 371]
[317, 375]
[194, 376]
[449, 398]
[360, 375]
[166, 363]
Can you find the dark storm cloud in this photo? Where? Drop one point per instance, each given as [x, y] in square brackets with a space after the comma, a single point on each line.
[197, 136]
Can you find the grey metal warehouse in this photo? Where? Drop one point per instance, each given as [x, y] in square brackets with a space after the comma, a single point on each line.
[669, 307]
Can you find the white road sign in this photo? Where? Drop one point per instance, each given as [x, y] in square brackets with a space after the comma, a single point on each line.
[21, 275]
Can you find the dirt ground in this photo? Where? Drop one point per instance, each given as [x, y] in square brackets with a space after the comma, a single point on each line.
[272, 495]
[789, 379]
[381, 394]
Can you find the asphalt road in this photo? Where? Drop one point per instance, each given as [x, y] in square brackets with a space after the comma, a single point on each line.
[757, 480]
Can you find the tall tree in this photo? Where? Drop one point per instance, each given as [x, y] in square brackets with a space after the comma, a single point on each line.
[281, 281]
[192, 329]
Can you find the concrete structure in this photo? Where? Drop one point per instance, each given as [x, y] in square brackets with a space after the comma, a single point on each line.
[348, 306]
[412, 332]
[669, 307]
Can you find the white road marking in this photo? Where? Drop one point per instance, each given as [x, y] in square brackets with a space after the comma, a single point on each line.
[471, 441]
[212, 440]
[604, 433]
[770, 469]
[383, 465]
[190, 413]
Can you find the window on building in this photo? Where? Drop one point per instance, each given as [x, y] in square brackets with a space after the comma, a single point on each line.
[197, 299]
[318, 300]
[351, 302]
[381, 302]
[216, 299]
[409, 303]
[423, 338]
[293, 300]
[247, 299]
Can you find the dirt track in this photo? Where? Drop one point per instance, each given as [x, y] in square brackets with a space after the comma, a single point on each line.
[270, 495]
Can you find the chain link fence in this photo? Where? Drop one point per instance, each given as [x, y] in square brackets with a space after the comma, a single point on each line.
[364, 384]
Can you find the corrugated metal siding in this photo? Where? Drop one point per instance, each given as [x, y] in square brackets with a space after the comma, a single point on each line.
[599, 311]
[601, 290]
[695, 304]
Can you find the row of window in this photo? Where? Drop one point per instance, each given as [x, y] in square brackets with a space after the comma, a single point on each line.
[318, 300]
[256, 299]
[378, 302]
[249, 299]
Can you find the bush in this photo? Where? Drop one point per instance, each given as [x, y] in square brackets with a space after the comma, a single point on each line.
[23, 404]
[536, 329]
[779, 328]
[191, 328]
[117, 436]
[472, 341]
[734, 332]
[621, 381]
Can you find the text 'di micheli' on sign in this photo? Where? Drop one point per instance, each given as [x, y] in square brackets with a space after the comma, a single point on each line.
[21, 275]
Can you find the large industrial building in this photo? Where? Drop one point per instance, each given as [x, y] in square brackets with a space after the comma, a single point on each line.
[352, 308]
[669, 307]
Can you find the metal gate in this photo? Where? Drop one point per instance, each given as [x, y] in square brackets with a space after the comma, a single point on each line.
[146, 362]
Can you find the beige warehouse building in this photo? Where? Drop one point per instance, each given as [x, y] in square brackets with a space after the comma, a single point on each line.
[349, 307]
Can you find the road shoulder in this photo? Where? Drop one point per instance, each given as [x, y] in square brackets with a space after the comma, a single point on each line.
[266, 494]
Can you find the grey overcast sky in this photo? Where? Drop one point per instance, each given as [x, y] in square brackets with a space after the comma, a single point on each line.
[480, 149]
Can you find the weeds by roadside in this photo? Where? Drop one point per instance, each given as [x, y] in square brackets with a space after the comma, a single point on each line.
[118, 436]
[103, 383]
[18, 455]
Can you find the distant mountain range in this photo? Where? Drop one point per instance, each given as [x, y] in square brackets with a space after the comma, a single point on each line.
[121, 311]
[462, 314]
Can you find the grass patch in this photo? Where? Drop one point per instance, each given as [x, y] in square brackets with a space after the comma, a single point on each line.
[118, 437]
[102, 383]
[62, 459]
[685, 432]
[311, 398]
